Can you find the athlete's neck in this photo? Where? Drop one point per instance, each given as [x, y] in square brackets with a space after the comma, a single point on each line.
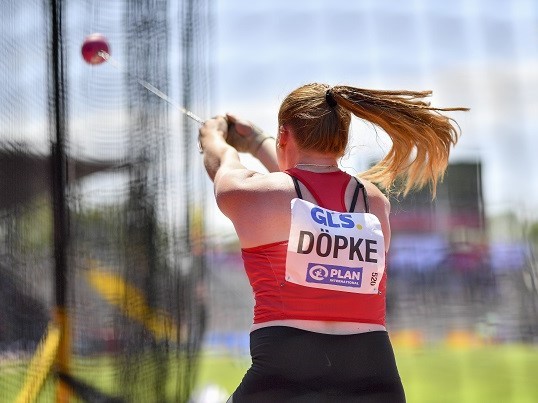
[313, 167]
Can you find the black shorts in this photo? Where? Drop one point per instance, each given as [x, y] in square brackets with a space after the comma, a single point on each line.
[293, 365]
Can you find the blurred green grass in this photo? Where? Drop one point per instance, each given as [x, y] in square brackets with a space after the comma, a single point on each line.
[484, 374]
[431, 374]
[492, 374]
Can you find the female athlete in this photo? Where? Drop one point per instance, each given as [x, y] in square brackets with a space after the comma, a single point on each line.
[314, 239]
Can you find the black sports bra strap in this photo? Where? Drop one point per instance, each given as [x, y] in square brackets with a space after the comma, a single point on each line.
[365, 197]
[356, 195]
[297, 188]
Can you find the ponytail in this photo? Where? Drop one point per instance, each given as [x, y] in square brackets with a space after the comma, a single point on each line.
[421, 135]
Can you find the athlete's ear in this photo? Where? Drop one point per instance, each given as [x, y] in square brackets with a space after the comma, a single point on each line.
[283, 135]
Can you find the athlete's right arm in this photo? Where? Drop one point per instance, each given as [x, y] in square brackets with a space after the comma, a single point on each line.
[244, 136]
[380, 207]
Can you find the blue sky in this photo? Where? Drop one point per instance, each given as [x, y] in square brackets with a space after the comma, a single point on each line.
[477, 53]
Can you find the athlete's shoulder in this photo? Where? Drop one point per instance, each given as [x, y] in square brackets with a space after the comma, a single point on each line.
[376, 197]
[238, 194]
[380, 207]
[247, 181]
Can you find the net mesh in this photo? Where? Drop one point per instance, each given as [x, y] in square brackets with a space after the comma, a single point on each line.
[132, 292]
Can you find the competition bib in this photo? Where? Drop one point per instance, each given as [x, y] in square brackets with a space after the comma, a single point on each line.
[333, 250]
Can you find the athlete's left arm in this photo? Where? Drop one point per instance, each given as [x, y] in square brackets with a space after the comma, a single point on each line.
[219, 156]
[232, 184]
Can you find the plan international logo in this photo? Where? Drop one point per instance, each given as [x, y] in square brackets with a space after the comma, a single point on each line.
[335, 275]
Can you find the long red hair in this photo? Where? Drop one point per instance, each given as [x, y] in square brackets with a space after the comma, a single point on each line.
[422, 136]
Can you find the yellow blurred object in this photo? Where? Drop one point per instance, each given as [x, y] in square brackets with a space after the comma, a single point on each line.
[40, 365]
[459, 339]
[407, 338]
[131, 301]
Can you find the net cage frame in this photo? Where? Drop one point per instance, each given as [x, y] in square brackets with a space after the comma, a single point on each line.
[108, 284]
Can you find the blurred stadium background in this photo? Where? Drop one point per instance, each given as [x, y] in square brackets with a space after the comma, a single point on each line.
[120, 280]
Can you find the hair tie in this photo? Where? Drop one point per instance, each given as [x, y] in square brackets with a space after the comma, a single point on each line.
[330, 99]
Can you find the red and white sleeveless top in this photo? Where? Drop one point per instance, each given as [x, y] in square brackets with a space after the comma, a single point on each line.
[332, 266]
